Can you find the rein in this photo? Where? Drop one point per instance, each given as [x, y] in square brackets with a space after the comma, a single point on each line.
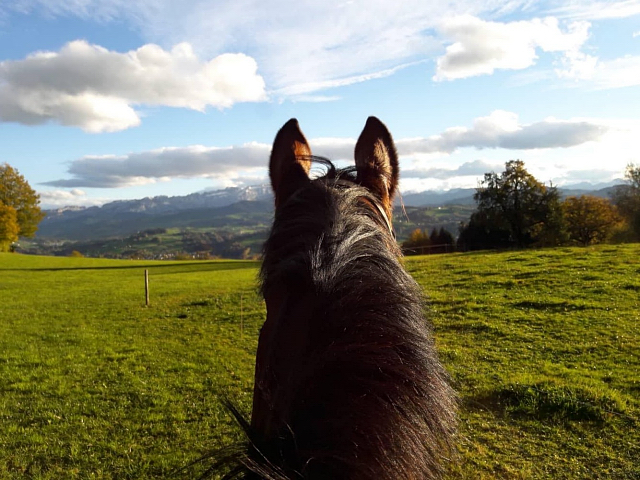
[344, 184]
[385, 218]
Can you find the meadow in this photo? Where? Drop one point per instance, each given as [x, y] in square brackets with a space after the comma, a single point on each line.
[542, 346]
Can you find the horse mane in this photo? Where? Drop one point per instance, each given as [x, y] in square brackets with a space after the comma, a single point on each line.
[370, 398]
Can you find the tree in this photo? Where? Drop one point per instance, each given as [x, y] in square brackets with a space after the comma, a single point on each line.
[446, 238]
[434, 237]
[627, 199]
[418, 238]
[589, 219]
[515, 209]
[8, 227]
[16, 193]
[441, 241]
[482, 233]
[416, 242]
[420, 242]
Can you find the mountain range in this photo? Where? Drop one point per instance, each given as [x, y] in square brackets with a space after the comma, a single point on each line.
[231, 207]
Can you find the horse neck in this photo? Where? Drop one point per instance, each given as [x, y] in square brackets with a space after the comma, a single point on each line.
[281, 347]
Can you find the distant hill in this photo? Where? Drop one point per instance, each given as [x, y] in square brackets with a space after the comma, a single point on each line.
[96, 223]
[240, 208]
[229, 207]
[456, 196]
[464, 196]
[576, 192]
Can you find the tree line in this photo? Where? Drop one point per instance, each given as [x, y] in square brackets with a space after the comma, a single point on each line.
[420, 242]
[515, 210]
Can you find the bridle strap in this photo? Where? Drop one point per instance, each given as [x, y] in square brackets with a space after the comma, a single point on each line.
[386, 220]
[384, 216]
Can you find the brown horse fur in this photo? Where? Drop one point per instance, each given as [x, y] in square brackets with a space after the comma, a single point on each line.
[347, 384]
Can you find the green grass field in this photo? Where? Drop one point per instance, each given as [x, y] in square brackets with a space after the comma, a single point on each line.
[543, 347]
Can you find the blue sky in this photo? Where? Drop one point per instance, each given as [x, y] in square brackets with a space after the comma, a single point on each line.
[112, 99]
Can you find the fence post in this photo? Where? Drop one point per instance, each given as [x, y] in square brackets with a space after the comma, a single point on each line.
[146, 287]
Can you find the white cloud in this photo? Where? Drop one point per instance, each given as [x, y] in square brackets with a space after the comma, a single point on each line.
[307, 87]
[300, 45]
[588, 72]
[333, 148]
[50, 199]
[502, 130]
[96, 89]
[480, 47]
[158, 165]
[577, 66]
[598, 9]
[498, 130]
[474, 168]
[605, 159]
[304, 46]
[616, 73]
[60, 195]
[594, 162]
[230, 164]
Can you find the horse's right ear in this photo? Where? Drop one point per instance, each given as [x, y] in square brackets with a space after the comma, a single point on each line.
[290, 161]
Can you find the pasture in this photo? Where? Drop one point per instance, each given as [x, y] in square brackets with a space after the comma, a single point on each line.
[543, 348]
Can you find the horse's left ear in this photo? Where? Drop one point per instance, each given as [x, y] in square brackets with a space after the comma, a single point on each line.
[290, 161]
[377, 161]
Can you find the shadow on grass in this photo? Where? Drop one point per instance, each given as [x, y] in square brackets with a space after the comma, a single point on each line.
[222, 300]
[551, 306]
[551, 402]
[473, 327]
[527, 275]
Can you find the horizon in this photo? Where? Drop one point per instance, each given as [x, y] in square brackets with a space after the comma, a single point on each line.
[106, 101]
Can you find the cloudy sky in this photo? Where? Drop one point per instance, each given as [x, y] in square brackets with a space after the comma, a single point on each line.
[114, 99]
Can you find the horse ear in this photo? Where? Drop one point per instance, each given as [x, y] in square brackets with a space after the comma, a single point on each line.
[290, 161]
[377, 161]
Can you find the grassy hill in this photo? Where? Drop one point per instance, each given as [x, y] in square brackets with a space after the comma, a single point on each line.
[100, 223]
[233, 231]
[543, 347]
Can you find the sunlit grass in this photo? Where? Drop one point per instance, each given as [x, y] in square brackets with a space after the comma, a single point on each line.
[95, 384]
[543, 347]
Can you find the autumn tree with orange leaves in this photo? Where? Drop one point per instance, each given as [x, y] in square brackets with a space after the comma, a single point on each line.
[20, 211]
